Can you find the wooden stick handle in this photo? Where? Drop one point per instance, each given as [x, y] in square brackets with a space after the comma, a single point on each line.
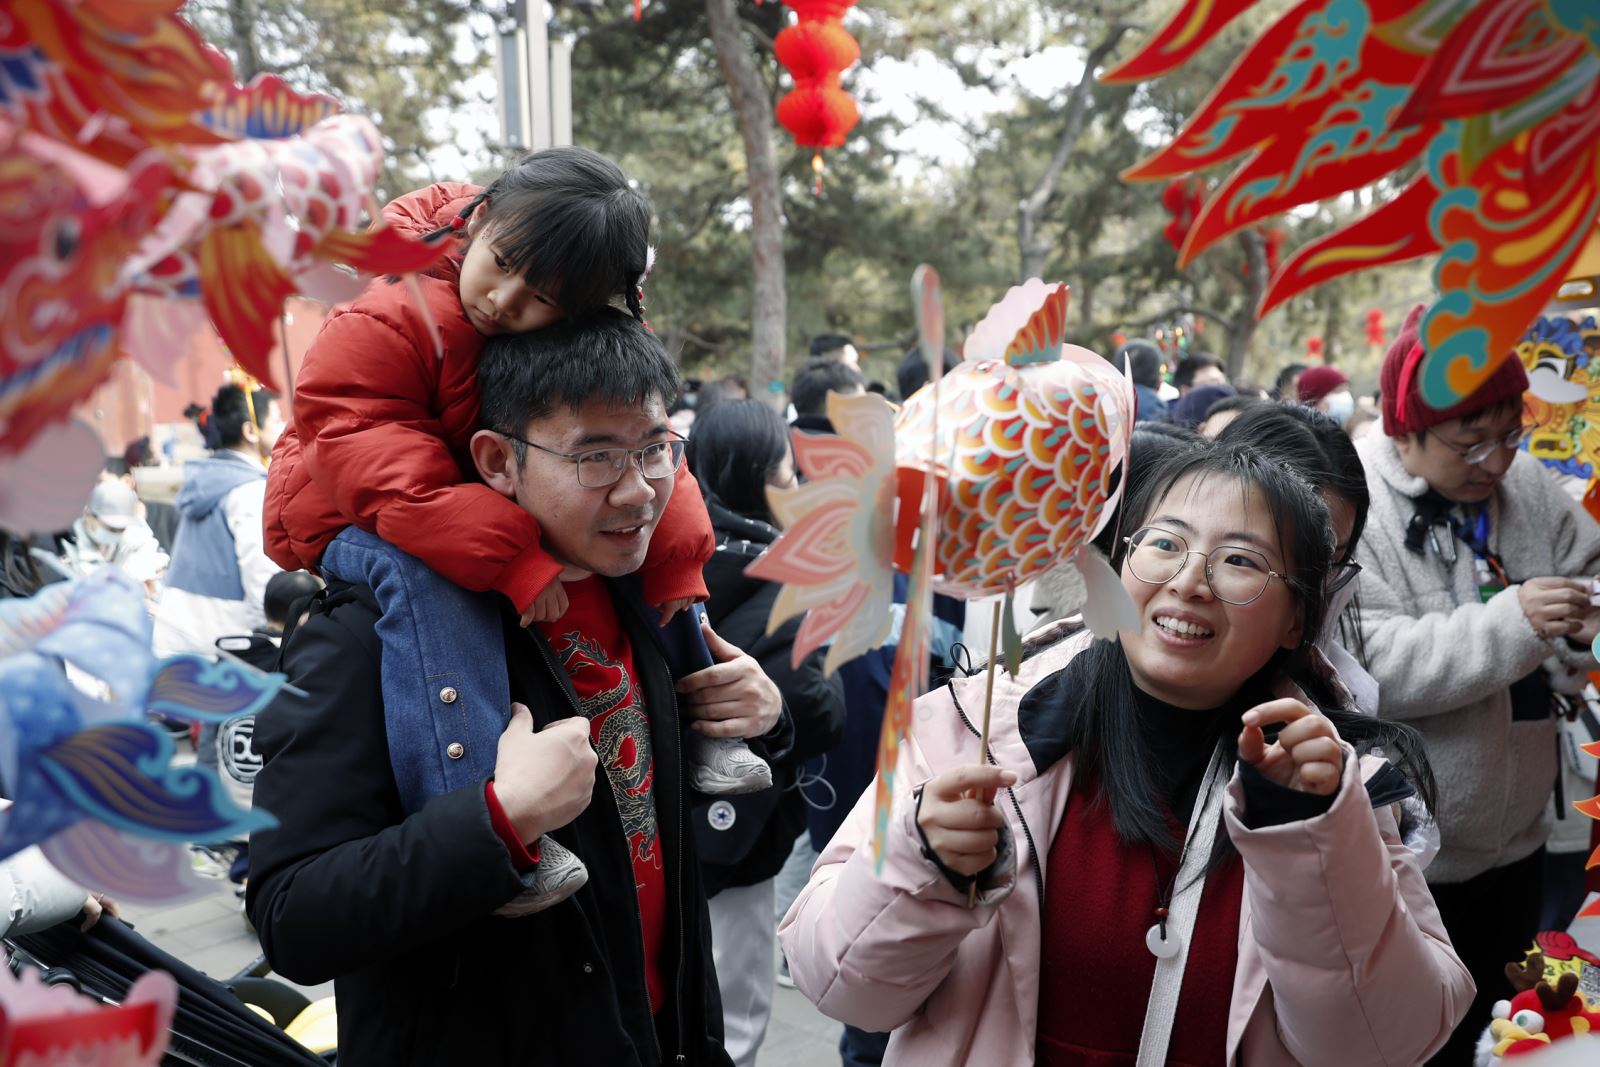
[988, 703]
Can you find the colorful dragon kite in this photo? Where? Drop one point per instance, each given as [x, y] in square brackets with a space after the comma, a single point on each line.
[1498, 101]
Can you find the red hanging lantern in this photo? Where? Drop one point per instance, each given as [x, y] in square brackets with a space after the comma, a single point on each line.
[1375, 327]
[816, 49]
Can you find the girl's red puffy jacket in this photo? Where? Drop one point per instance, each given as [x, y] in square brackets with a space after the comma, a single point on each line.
[379, 440]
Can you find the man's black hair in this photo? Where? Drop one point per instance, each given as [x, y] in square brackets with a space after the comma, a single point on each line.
[229, 412]
[1183, 374]
[607, 356]
[1286, 377]
[1240, 402]
[571, 223]
[284, 590]
[816, 379]
[912, 373]
[1144, 359]
[828, 343]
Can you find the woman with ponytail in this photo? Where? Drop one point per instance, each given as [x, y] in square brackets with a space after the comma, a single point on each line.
[1171, 853]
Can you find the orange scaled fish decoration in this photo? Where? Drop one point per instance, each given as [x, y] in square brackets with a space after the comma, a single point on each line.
[1498, 101]
[816, 50]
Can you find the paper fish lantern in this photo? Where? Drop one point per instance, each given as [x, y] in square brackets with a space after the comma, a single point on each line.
[55, 1024]
[1030, 431]
[268, 219]
[1022, 440]
[92, 779]
[67, 222]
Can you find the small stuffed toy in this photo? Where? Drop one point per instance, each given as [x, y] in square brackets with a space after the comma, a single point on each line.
[1539, 1014]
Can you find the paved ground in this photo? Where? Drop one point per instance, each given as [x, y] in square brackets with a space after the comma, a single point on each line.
[210, 934]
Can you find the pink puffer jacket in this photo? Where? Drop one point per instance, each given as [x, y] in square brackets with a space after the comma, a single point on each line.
[1342, 956]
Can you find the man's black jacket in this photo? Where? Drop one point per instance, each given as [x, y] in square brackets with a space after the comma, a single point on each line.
[398, 911]
[753, 845]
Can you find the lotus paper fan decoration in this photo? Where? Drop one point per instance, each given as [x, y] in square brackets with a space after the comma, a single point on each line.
[1495, 103]
[834, 558]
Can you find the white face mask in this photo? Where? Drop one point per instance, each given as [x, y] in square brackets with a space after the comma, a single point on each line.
[104, 536]
[1341, 406]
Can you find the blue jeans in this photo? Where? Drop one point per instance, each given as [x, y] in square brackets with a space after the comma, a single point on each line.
[446, 695]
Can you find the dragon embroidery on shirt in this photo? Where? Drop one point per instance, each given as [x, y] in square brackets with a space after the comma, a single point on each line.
[622, 739]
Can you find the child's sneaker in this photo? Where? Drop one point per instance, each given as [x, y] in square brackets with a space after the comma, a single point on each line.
[560, 875]
[725, 766]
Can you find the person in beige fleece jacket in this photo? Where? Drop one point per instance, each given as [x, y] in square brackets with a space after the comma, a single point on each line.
[1476, 607]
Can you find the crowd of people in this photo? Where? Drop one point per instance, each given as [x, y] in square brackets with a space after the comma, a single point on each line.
[548, 788]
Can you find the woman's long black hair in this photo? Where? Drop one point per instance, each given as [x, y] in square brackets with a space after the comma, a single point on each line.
[1100, 733]
[733, 449]
[1316, 446]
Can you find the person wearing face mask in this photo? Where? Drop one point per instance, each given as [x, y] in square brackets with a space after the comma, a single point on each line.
[1327, 389]
[1476, 612]
[111, 531]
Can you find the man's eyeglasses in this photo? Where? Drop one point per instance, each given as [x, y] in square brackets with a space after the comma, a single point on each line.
[1236, 575]
[1481, 451]
[602, 467]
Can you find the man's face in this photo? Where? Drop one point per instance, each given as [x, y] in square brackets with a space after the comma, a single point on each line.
[496, 299]
[602, 530]
[271, 427]
[1207, 376]
[1438, 459]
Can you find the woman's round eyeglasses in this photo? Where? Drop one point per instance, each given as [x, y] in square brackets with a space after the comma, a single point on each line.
[1236, 575]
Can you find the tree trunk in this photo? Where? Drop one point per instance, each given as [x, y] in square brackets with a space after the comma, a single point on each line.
[1242, 329]
[242, 18]
[1332, 323]
[1032, 246]
[769, 310]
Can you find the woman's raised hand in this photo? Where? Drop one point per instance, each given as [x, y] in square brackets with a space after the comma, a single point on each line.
[1306, 755]
[959, 819]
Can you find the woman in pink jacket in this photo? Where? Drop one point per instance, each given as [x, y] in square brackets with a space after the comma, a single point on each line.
[1187, 858]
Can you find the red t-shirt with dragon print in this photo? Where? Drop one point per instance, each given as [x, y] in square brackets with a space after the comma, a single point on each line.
[591, 646]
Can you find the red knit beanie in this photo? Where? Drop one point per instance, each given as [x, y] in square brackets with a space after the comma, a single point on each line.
[1318, 382]
[1404, 410]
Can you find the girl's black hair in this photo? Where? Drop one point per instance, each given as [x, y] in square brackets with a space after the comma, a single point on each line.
[571, 223]
[1100, 734]
[734, 447]
[1317, 446]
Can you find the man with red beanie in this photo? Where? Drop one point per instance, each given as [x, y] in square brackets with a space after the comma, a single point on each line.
[1328, 390]
[1475, 613]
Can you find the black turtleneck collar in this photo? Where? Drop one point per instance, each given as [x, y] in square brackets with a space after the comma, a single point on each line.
[813, 424]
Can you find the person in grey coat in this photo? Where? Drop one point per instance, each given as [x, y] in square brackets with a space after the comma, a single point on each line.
[1476, 616]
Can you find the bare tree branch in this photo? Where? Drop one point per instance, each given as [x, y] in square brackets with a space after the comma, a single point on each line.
[1032, 248]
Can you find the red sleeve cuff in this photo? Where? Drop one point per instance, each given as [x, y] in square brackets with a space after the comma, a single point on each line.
[521, 858]
[528, 574]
